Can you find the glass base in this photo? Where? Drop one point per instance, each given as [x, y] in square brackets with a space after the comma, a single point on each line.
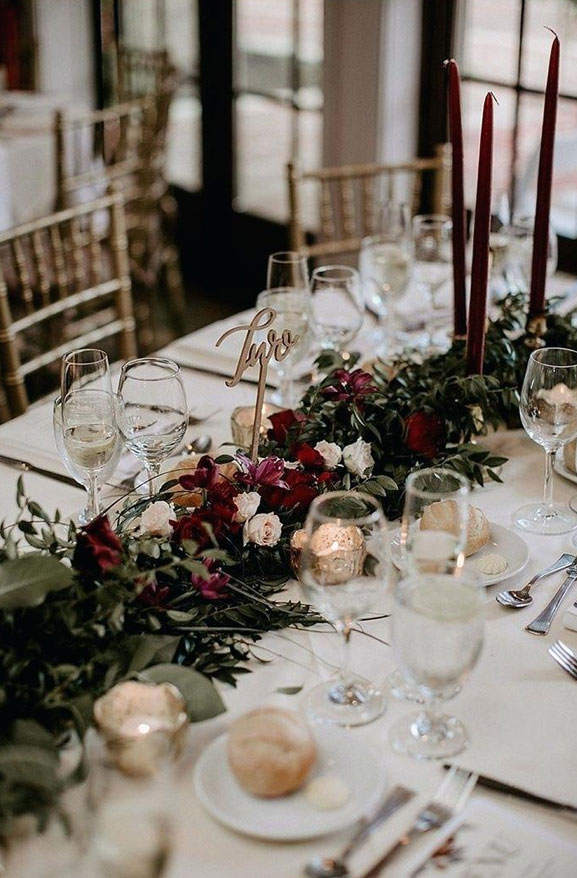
[446, 736]
[354, 704]
[539, 519]
[404, 691]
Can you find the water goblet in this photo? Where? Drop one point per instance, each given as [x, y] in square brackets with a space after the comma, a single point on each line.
[153, 413]
[437, 639]
[292, 308]
[344, 569]
[337, 306]
[548, 409]
[432, 236]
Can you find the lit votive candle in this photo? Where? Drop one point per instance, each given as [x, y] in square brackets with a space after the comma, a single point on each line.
[557, 405]
[242, 420]
[336, 553]
[142, 724]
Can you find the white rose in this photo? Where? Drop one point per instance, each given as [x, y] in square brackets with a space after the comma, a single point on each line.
[358, 458]
[155, 519]
[264, 529]
[330, 453]
[247, 504]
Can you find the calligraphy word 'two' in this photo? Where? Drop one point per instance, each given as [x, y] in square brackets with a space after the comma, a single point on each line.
[277, 346]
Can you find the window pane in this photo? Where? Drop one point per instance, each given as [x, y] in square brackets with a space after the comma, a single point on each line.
[183, 150]
[264, 43]
[504, 116]
[561, 16]
[491, 39]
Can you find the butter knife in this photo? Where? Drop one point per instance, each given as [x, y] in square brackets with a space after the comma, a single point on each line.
[542, 623]
[26, 467]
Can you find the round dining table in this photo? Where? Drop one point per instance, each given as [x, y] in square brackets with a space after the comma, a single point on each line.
[519, 706]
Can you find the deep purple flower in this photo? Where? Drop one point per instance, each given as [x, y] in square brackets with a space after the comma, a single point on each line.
[269, 471]
[213, 588]
[205, 475]
[349, 386]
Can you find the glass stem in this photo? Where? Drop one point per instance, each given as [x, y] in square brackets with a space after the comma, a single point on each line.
[344, 672]
[153, 470]
[548, 485]
[93, 501]
[427, 723]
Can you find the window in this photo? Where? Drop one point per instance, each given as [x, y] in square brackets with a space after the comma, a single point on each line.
[504, 47]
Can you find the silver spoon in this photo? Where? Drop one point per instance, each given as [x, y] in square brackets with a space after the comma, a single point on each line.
[521, 597]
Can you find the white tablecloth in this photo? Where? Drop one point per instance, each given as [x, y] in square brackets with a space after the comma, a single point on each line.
[520, 708]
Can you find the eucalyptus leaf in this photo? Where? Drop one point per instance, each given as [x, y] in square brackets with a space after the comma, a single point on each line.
[202, 699]
[25, 582]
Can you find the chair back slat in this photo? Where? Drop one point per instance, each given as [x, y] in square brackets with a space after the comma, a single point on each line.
[76, 301]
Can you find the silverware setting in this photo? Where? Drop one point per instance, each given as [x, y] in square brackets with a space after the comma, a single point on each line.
[565, 658]
[450, 798]
[542, 623]
[335, 867]
[26, 467]
[518, 598]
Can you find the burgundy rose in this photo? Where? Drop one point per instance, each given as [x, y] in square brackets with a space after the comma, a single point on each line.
[425, 434]
[349, 386]
[282, 422]
[269, 471]
[213, 588]
[193, 527]
[301, 489]
[206, 475]
[307, 455]
[98, 549]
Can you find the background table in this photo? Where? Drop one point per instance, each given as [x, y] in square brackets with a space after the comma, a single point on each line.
[519, 707]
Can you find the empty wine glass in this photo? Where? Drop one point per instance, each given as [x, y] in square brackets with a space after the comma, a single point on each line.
[548, 409]
[337, 305]
[437, 639]
[75, 471]
[432, 236]
[287, 269]
[86, 368]
[344, 569]
[292, 307]
[385, 263]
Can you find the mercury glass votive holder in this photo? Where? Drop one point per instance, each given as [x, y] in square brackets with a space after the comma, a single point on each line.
[242, 420]
[143, 725]
[338, 552]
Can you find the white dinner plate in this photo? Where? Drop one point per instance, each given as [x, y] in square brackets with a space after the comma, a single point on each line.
[292, 818]
[504, 541]
[561, 469]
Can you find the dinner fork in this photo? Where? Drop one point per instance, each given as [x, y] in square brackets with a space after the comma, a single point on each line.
[450, 798]
[564, 657]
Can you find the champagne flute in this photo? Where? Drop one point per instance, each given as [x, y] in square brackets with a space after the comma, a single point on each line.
[287, 268]
[548, 409]
[427, 550]
[385, 263]
[153, 413]
[292, 308]
[337, 305]
[75, 471]
[437, 639]
[87, 368]
[432, 235]
[344, 569]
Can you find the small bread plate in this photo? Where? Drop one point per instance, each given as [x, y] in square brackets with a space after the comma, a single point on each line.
[293, 818]
[561, 469]
[504, 541]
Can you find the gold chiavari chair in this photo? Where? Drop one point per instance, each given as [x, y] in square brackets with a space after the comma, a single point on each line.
[348, 197]
[64, 282]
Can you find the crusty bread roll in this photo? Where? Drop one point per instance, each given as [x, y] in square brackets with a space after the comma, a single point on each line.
[569, 454]
[270, 751]
[442, 516]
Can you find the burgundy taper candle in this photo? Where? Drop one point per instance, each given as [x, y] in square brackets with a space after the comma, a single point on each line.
[544, 181]
[480, 264]
[457, 200]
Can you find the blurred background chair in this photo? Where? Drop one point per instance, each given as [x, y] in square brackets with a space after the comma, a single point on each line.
[64, 282]
[349, 196]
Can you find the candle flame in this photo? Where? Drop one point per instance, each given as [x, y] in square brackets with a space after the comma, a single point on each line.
[143, 728]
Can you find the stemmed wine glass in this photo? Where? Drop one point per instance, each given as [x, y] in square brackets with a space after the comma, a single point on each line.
[153, 413]
[431, 546]
[344, 569]
[287, 268]
[548, 409]
[292, 308]
[385, 263]
[337, 305]
[432, 236]
[88, 418]
[437, 639]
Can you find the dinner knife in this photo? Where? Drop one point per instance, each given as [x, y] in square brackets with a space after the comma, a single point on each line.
[26, 467]
[246, 379]
[501, 787]
[542, 623]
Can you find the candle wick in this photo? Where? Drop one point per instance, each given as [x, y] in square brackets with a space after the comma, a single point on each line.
[494, 98]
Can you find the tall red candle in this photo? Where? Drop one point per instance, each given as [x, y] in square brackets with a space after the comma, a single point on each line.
[480, 265]
[544, 180]
[457, 200]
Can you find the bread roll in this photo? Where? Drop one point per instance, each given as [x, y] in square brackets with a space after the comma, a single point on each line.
[569, 454]
[442, 516]
[270, 751]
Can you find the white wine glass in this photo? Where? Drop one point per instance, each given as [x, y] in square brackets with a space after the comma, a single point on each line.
[292, 307]
[288, 268]
[337, 306]
[434, 543]
[437, 639]
[75, 471]
[385, 263]
[153, 413]
[432, 237]
[548, 409]
[344, 570]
